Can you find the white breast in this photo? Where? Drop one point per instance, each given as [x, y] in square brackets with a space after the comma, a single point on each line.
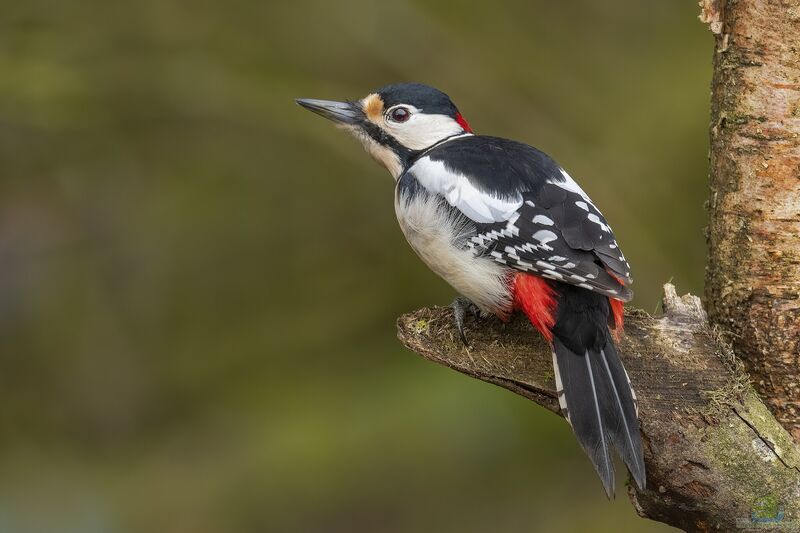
[438, 239]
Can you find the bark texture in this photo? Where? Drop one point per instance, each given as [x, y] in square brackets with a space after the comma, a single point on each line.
[753, 274]
[716, 459]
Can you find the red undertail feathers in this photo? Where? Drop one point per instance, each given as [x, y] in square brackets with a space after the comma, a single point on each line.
[535, 297]
[618, 314]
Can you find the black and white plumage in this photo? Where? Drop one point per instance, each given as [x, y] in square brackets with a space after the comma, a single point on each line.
[528, 212]
[509, 229]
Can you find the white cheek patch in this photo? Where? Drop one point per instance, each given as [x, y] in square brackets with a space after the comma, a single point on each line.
[421, 130]
[462, 194]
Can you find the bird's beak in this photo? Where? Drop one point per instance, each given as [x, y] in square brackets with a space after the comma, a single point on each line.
[339, 112]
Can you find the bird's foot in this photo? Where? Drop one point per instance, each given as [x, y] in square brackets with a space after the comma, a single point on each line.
[461, 306]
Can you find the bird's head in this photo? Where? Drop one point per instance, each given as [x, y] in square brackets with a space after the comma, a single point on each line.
[396, 122]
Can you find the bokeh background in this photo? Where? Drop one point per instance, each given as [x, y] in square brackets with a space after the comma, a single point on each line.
[199, 280]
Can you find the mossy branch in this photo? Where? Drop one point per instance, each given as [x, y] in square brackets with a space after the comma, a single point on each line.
[716, 457]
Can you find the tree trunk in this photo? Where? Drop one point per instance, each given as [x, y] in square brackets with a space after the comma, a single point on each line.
[717, 459]
[753, 275]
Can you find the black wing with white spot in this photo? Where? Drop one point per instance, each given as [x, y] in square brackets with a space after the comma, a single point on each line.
[528, 212]
[551, 240]
[582, 225]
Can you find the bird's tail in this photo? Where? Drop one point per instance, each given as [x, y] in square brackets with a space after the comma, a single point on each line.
[593, 388]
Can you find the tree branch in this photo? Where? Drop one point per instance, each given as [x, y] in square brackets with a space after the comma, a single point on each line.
[716, 458]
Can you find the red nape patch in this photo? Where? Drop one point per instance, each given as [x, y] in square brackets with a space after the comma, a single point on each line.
[537, 299]
[463, 123]
[618, 312]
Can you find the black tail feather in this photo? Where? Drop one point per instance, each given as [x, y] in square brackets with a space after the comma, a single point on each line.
[594, 391]
[626, 439]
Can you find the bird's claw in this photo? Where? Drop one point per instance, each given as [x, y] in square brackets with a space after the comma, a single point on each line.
[461, 306]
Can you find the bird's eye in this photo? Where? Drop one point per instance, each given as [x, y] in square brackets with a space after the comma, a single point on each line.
[399, 114]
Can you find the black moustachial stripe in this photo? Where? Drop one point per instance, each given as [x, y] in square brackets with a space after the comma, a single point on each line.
[428, 99]
[383, 138]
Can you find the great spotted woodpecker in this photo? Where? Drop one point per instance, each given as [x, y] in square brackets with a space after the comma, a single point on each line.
[509, 229]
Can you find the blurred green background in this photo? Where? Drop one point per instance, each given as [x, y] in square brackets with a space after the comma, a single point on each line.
[199, 280]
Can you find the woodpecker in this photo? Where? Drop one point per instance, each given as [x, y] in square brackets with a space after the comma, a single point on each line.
[510, 230]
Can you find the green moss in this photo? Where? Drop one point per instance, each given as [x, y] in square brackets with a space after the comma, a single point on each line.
[766, 506]
[766, 484]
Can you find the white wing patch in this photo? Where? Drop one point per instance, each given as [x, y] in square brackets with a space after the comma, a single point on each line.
[459, 192]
